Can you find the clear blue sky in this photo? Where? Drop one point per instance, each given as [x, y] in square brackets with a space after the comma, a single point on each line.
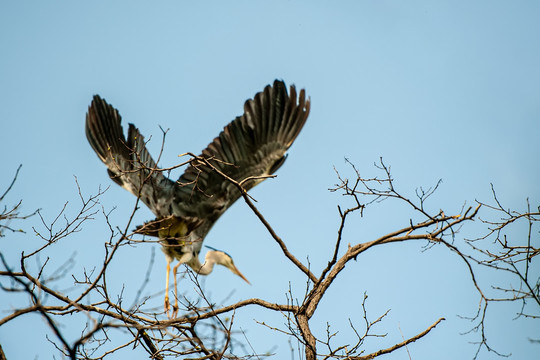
[439, 89]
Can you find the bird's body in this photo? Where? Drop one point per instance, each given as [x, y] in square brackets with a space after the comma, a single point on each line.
[249, 148]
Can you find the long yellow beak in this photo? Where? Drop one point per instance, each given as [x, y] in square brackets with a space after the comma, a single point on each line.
[237, 272]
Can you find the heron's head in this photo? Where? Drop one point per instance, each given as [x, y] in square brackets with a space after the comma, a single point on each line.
[224, 259]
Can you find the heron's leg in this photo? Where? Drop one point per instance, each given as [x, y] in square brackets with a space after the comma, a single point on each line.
[175, 307]
[167, 305]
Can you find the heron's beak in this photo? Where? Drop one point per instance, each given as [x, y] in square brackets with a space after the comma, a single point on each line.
[237, 272]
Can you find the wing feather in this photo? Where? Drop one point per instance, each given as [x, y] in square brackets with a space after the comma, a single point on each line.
[252, 145]
[128, 161]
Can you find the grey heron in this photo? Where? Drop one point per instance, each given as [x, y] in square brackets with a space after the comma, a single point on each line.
[249, 148]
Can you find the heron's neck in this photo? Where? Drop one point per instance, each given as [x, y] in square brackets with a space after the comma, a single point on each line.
[203, 269]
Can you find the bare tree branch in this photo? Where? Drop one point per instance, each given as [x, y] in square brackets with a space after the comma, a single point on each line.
[206, 329]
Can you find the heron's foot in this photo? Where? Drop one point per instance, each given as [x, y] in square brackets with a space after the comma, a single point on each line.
[168, 308]
[174, 312]
[167, 305]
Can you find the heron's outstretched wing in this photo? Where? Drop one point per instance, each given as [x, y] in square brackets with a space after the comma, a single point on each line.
[252, 145]
[128, 161]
